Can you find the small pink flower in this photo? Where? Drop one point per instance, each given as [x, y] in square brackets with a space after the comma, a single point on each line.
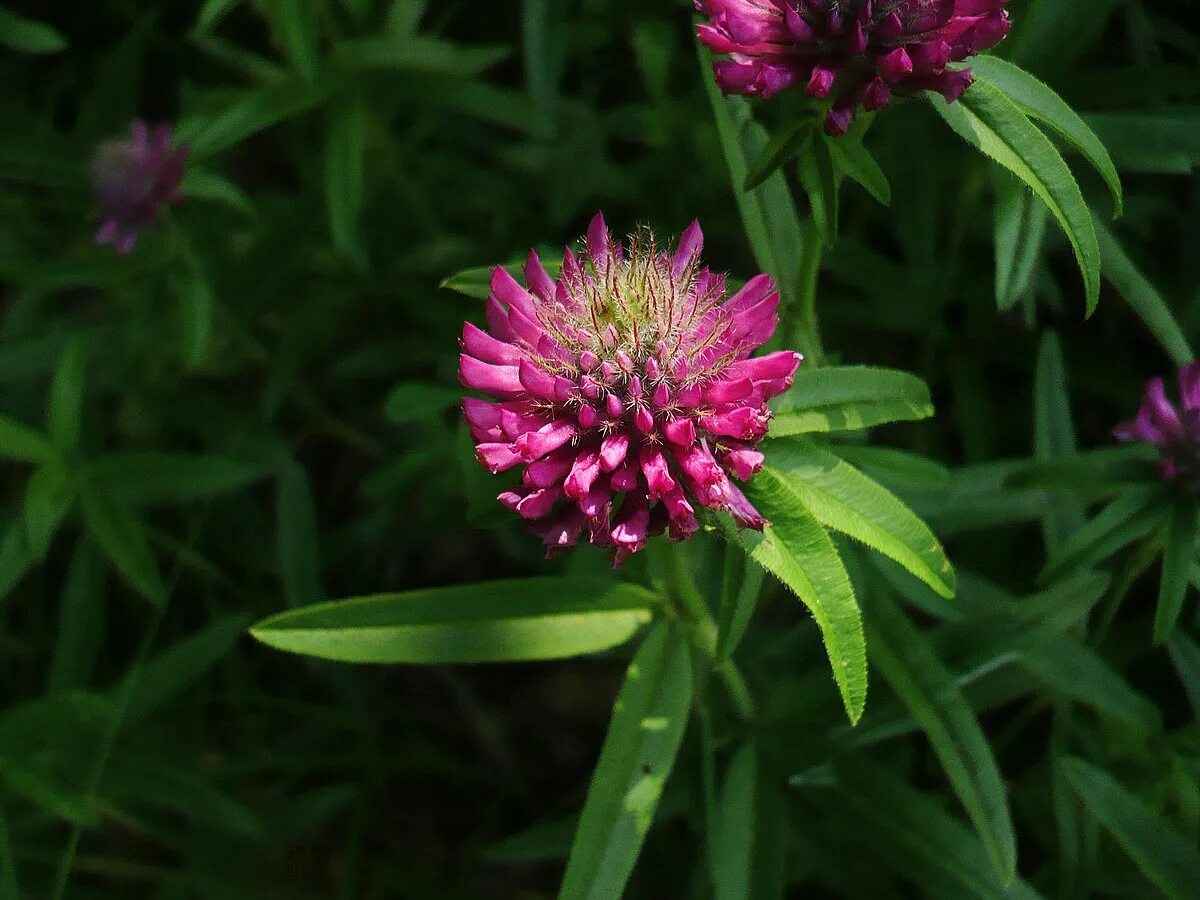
[624, 390]
[861, 51]
[133, 179]
[1174, 431]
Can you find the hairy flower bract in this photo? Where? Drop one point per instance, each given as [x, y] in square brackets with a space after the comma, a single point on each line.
[860, 52]
[626, 392]
[133, 179]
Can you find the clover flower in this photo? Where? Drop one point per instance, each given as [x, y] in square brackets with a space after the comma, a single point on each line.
[857, 51]
[1175, 431]
[626, 390]
[133, 179]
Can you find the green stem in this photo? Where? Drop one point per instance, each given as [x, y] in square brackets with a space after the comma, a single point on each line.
[701, 629]
[807, 334]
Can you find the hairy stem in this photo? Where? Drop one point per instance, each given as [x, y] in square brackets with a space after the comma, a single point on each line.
[701, 628]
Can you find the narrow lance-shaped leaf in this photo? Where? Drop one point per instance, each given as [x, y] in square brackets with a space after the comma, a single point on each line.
[1020, 228]
[1178, 559]
[494, 621]
[123, 539]
[1142, 297]
[182, 664]
[987, 120]
[81, 618]
[345, 150]
[1129, 517]
[849, 398]
[731, 850]
[23, 444]
[1165, 858]
[841, 497]
[923, 683]
[64, 409]
[49, 494]
[1039, 101]
[797, 550]
[1054, 435]
[639, 752]
[1185, 656]
[297, 542]
[29, 35]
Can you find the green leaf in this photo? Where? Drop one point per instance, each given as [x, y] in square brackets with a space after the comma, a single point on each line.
[550, 839]
[849, 398]
[49, 494]
[211, 14]
[544, 41]
[417, 401]
[8, 865]
[296, 23]
[144, 780]
[64, 407]
[732, 841]
[741, 583]
[797, 550]
[298, 543]
[251, 112]
[182, 664]
[345, 153]
[1142, 297]
[1161, 855]
[495, 621]
[1054, 435]
[15, 556]
[844, 499]
[768, 212]
[987, 120]
[1185, 656]
[123, 540]
[782, 145]
[1071, 669]
[418, 53]
[149, 478]
[81, 617]
[197, 310]
[913, 834]
[928, 689]
[1178, 559]
[204, 184]
[29, 35]
[647, 726]
[1156, 141]
[47, 793]
[23, 444]
[476, 282]
[1036, 99]
[855, 161]
[1129, 517]
[823, 184]
[1020, 229]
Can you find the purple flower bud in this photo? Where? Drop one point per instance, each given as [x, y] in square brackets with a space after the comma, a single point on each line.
[772, 45]
[1175, 431]
[133, 179]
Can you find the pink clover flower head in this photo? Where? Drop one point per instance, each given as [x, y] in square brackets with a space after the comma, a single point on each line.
[133, 179]
[624, 390]
[1174, 430]
[860, 52]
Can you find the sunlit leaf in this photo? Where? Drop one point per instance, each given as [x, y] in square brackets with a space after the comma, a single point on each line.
[493, 621]
[639, 751]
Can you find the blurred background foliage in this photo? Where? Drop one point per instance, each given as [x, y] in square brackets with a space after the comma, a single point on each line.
[256, 409]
